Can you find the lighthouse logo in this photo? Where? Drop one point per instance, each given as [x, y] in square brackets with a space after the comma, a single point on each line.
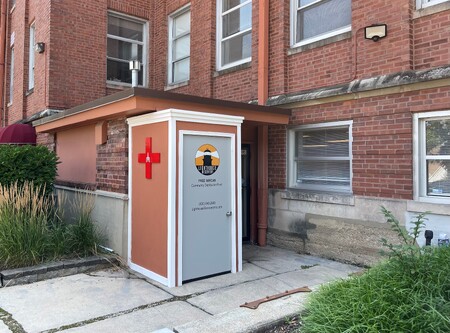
[207, 160]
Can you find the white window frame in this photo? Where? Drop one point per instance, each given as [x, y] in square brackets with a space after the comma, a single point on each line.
[31, 56]
[292, 163]
[144, 43]
[172, 18]
[11, 77]
[220, 40]
[419, 156]
[428, 3]
[294, 10]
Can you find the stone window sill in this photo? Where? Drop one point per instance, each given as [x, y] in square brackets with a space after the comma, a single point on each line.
[319, 43]
[232, 69]
[176, 85]
[346, 199]
[431, 10]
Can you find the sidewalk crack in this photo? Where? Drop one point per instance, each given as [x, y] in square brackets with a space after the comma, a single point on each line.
[12, 324]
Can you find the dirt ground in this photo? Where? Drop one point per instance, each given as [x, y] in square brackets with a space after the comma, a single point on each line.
[291, 325]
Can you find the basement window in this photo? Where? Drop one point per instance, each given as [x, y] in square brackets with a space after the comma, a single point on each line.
[126, 41]
[320, 157]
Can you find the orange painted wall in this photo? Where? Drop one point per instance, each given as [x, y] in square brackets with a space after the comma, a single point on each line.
[77, 152]
[149, 200]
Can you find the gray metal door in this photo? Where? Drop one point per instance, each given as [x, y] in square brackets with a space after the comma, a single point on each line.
[207, 212]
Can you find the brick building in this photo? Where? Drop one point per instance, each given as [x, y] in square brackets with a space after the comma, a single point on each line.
[369, 121]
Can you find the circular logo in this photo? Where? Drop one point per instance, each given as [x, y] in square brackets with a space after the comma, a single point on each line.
[207, 159]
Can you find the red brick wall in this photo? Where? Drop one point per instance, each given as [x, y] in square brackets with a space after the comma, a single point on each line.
[353, 57]
[382, 139]
[238, 85]
[279, 44]
[73, 71]
[112, 163]
[18, 26]
[39, 13]
[73, 68]
[77, 67]
[431, 40]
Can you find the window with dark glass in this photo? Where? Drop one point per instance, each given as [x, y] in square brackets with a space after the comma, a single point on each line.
[437, 156]
[234, 32]
[318, 19]
[126, 41]
[179, 46]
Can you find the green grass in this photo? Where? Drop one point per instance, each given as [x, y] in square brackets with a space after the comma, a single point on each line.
[410, 292]
[388, 298]
[32, 229]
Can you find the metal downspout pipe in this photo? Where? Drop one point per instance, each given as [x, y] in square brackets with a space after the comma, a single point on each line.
[263, 95]
[3, 23]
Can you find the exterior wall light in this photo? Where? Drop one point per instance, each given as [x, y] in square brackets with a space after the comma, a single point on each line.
[375, 32]
[39, 47]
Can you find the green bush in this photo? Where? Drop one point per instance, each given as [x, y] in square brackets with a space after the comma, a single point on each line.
[20, 164]
[408, 293]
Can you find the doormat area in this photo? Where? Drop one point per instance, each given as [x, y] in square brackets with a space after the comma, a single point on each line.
[50, 270]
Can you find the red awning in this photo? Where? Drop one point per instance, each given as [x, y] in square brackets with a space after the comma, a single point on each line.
[18, 134]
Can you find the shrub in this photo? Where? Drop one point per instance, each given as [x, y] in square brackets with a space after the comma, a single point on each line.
[408, 293]
[20, 164]
[32, 229]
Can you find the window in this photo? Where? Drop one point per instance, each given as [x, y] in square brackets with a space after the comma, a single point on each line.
[234, 32]
[313, 20]
[432, 155]
[31, 57]
[320, 157]
[126, 41]
[428, 3]
[11, 77]
[179, 45]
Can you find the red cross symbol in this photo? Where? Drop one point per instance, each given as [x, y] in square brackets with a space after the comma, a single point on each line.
[148, 158]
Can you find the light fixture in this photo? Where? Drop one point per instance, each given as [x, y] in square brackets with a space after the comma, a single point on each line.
[135, 67]
[375, 32]
[40, 47]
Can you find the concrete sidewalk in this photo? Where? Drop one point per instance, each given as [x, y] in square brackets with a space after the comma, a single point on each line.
[116, 301]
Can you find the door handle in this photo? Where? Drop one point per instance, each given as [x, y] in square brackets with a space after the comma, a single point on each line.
[228, 214]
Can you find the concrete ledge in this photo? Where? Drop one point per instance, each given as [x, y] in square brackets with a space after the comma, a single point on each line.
[333, 198]
[25, 275]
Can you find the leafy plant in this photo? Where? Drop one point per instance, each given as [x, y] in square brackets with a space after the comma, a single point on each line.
[385, 299]
[31, 164]
[410, 292]
[408, 248]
